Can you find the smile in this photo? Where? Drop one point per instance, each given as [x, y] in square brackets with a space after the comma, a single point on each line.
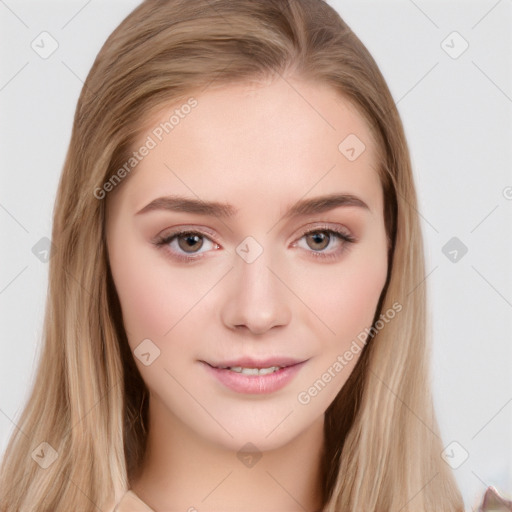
[250, 380]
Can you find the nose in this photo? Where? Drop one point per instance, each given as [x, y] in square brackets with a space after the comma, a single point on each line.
[256, 300]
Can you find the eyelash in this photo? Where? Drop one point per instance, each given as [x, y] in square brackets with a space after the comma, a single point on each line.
[162, 243]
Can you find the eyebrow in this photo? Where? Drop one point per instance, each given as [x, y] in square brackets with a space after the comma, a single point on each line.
[301, 208]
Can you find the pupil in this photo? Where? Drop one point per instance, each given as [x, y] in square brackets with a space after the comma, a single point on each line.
[319, 238]
[190, 240]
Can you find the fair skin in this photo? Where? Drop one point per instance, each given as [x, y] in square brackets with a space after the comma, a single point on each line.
[260, 148]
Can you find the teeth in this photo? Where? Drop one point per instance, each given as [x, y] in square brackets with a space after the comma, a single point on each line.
[254, 371]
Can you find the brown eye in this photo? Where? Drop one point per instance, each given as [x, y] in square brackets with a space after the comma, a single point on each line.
[190, 242]
[326, 243]
[317, 240]
[186, 245]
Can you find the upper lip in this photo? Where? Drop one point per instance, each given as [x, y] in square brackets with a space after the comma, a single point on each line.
[249, 362]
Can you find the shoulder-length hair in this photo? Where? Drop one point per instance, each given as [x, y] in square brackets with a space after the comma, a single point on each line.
[89, 402]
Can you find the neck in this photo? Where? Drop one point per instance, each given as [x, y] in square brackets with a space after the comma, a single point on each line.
[184, 471]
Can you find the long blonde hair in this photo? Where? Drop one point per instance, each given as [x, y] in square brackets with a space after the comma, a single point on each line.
[89, 402]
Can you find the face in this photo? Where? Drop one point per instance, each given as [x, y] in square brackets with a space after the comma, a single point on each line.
[244, 266]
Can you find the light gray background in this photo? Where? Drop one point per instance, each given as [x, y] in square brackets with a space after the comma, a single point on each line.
[457, 114]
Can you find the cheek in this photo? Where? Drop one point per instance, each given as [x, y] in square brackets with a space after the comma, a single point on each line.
[345, 296]
[148, 301]
[156, 300]
[346, 304]
[358, 294]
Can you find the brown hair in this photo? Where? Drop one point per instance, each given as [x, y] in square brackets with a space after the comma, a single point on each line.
[382, 443]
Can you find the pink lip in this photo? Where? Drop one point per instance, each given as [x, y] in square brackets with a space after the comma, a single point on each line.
[255, 384]
[249, 362]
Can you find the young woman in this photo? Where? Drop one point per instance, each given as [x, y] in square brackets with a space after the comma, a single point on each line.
[236, 318]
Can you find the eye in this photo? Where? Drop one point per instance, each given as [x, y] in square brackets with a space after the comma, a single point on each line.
[186, 244]
[325, 242]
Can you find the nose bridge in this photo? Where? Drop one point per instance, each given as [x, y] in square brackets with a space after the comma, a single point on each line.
[257, 299]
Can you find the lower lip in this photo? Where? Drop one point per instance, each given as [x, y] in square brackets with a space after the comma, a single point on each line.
[255, 384]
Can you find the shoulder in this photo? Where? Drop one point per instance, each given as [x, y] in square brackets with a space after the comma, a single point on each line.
[493, 501]
[130, 502]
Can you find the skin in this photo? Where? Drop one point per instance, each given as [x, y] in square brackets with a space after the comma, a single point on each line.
[259, 147]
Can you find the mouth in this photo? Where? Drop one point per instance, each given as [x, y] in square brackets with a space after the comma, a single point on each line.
[249, 366]
[255, 377]
[252, 371]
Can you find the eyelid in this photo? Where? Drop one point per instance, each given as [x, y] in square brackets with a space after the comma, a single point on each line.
[327, 226]
[312, 226]
[344, 235]
[162, 241]
[192, 228]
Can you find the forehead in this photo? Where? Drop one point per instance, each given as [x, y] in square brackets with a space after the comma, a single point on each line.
[275, 140]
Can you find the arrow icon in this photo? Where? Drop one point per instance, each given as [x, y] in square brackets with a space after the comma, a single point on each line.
[351, 147]
[454, 45]
[454, 455]
[44, 45]
[146, 352]
[249, 455]
[243, 249]
[44, 454]
[454, 249]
